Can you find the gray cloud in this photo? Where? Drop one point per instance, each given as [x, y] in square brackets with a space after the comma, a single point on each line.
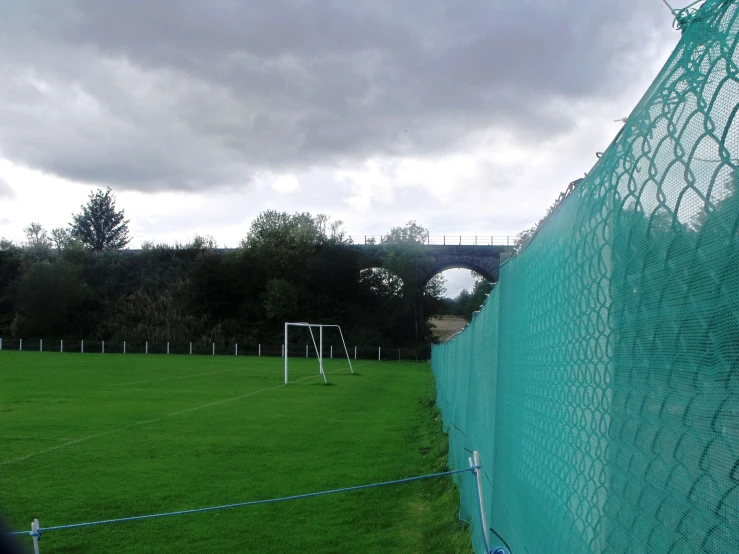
[5, 191]
[195, 95]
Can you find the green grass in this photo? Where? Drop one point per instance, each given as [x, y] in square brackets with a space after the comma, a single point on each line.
[86, 437]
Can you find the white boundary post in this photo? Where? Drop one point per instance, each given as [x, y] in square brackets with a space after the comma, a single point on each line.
[61, 346]
[320, 349]
[379, 353]
[398, 354]
[355, 352]
[191, 349]
[1, 344]
[475, 461]
[146, 347]
[214, 349]
[167, 347]
[34, 533]
[259, 352]
[284, 353]
[21, 345]
[41, 345]
[237, 349]
[306, 350]
[332, 351]
[124, 346]
[82, 346]
[102, 348]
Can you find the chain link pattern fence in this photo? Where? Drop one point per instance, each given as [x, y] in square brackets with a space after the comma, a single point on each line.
[600, 382]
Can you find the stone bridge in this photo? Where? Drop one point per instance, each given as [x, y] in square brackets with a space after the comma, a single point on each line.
[428, 260]
[419, 263]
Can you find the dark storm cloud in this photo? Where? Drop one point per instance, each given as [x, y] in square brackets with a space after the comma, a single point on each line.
[190, 95]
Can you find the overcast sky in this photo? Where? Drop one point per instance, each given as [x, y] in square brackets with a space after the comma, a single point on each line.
[467, 116]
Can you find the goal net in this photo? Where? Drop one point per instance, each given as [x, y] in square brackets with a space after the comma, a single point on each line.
[315, 345]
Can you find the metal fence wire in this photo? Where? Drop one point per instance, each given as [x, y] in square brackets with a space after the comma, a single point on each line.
[602, 375]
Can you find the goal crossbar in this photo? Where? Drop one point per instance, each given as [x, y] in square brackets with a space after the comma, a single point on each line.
[318, 347]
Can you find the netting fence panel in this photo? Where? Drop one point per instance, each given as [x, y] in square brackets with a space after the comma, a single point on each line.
[600, 381]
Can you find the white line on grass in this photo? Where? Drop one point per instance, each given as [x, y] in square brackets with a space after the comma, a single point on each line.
[144, 422]
[178, 377]
[34, 437]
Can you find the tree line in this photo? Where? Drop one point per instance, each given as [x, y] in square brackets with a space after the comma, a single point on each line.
[79, 282]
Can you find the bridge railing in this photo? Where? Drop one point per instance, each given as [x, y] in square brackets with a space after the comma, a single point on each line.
[448, 240]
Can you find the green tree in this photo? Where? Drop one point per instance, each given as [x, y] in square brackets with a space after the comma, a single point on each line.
[280, 299]
[48, 299]
[466, 303]
[36, 237]
[411, 233]
[99, 226]
[62, 239]
[405, 253]
[6, 244]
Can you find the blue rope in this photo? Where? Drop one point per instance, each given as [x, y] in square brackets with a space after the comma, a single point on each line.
[242, 504]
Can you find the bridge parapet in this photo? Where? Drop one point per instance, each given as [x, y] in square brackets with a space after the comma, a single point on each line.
[444, 240]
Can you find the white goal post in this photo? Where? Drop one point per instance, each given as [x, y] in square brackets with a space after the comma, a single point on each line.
[317, 346]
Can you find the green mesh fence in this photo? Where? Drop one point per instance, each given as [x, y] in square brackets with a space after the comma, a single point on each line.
[600, 381]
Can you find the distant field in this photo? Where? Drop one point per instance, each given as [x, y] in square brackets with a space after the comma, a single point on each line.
[88, 436]
[444, 326]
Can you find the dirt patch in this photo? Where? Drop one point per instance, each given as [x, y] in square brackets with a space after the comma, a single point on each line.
[444, 326]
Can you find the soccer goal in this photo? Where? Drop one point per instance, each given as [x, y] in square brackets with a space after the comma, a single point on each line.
[314, 329]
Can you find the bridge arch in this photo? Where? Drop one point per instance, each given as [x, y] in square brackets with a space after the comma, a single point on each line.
[486, 273]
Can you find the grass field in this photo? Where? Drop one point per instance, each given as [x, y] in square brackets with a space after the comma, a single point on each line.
[88, 437]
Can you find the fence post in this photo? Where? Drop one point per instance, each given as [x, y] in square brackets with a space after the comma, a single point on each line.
[82, 346]
[191, 349]
[475, 461]
[41, 345]
[167, 347]
[35, 534]
[260, 350]
[146, 348]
